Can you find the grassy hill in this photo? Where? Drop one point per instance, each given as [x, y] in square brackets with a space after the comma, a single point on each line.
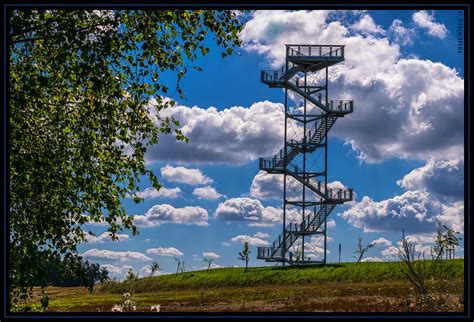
[368, 272]
[345, 287]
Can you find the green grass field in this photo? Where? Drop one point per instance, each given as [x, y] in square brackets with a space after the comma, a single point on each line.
[368, 272]
[345, 287]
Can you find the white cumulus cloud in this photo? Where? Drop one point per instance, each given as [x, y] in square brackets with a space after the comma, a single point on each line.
[207, 192]
[381, 242]
[234, 135]
[251, 240]
[443, 179]
[165, 213]
[400, 34]
[115, 255]
[164, 251]
[413, 211]
[372, 259]
[150, 193]
[104, 238]
[191, 177]
[267, 186]
[261, 235]
[390, 252]
[367, 25]
[426, 20]
[330, 223]
[211, 255]
[250, 210]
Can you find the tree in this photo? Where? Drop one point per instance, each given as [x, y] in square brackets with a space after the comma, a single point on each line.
[179, 264]
[86, 100]
[209, 262]
[298, 254]
[182, 267]
[445, 240]
[415, 271]
[65, 272]
[131, 276]
[71, 271]
[361, 250]
[244, 255]
[430, 280]
[154, 267]
[413, 265]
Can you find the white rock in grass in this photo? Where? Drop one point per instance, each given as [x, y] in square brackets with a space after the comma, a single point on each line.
[155, 308]
[117, 308]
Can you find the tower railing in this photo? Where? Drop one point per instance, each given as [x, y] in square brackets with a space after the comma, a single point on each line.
[343, 106]
[336, 51]
[272, 76]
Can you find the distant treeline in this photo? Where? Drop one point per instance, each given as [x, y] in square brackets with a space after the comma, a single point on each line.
[62, 270]
[65, 272]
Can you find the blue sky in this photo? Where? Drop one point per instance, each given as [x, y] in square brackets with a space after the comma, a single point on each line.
[401, 150]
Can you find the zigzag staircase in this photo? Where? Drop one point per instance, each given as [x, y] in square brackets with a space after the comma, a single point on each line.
[305, 59]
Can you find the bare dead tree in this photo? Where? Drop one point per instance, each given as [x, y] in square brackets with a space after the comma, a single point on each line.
[297, 253]
[182, 268]
[430, 291]
[361, 250]
[178, 265]
[413, 268]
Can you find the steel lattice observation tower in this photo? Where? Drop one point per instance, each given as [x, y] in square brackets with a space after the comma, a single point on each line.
[303, 160]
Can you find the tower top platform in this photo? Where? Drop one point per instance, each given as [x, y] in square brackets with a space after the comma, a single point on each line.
[314, 57]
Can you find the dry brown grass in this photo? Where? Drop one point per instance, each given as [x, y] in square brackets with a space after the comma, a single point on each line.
[329, 297]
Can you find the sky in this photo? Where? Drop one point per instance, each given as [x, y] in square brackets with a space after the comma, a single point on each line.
[402, 150]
